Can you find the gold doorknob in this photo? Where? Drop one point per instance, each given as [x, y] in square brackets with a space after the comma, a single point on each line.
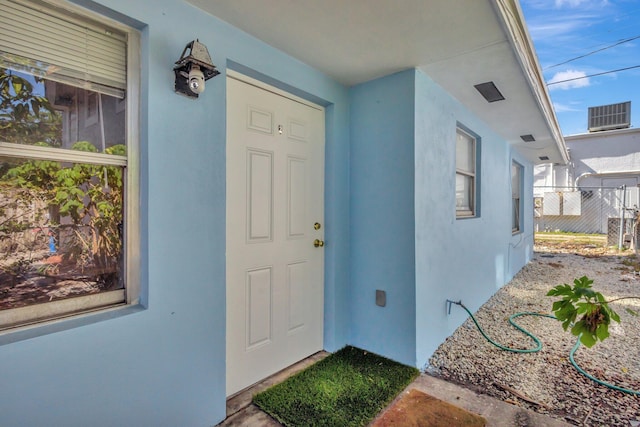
[318, 243]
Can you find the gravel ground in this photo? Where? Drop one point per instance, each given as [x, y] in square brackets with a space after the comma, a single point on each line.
[546, 381]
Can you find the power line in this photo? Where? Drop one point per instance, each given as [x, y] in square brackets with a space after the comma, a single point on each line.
[594, 51]
[593, 75]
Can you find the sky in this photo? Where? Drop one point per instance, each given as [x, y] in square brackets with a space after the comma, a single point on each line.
[563, 30]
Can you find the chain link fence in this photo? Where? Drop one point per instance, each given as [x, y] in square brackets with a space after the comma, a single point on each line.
[592, 217]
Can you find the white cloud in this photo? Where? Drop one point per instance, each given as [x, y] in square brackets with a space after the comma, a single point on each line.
[576, 79]
[564, 108]
[551, 30]
[581, 3]
[569, 26]
[570, 3]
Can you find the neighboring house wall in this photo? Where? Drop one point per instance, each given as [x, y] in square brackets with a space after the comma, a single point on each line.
[90, 129]
[81, 120]
[606, 153]
[596, 159]
[607, 159]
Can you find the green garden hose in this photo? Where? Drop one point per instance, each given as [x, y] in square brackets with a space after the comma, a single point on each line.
[592, 378]
[539, 344]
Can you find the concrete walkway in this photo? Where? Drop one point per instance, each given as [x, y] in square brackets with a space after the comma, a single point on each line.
[241, 412]
[496, 412]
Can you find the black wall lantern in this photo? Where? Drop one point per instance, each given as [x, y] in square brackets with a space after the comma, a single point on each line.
[194, 69]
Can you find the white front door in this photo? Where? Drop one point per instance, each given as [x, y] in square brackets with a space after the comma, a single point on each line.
[275, 209]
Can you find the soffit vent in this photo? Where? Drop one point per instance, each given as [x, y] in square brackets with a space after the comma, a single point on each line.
[489, 91]
[527, 138]
[607, 117]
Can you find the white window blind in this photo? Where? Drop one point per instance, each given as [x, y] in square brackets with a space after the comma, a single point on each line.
[37, 38]
[515, 181]
[465, 174]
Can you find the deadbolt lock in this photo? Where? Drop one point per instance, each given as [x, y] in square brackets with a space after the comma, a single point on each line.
[316, 226]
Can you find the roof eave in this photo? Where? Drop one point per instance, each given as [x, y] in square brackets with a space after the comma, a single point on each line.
[511, 17]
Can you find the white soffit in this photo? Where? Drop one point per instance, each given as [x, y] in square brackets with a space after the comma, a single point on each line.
[458, 43]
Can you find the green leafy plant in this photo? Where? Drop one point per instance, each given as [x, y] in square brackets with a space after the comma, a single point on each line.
[25, 116]
[586, 311]
[80, 205]
[89, 195]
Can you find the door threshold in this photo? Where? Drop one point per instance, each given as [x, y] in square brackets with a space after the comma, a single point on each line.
[242, 399]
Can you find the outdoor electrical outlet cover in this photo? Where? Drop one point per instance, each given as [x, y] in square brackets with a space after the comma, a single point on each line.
[381, 298]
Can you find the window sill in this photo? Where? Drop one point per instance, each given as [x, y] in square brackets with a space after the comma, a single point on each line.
[35, 330]
[38, 313]
[465, 216]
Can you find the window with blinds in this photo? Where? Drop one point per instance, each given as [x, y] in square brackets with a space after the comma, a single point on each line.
[39, 39]
[466, 166]
[517, 175]
[67, 187]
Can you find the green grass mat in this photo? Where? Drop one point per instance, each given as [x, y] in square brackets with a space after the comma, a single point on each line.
[347, 388]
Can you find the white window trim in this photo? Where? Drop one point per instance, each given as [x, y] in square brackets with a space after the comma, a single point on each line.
[34, 314]
[473, 175]
[132, 202]
[60, 155]
[38, 315]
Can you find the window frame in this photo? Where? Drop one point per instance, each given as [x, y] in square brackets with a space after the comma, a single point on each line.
[472, 175]
[21, 318]
[517, 202]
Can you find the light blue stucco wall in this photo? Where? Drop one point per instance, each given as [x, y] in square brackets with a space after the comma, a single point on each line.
[405, 239]
[388, 188]
[165, 365]
[382, 216]
[467, 259]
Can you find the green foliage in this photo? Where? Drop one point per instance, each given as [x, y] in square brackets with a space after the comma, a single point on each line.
[590, 306]
[348, 388]
[89, 195]
[25, 117]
